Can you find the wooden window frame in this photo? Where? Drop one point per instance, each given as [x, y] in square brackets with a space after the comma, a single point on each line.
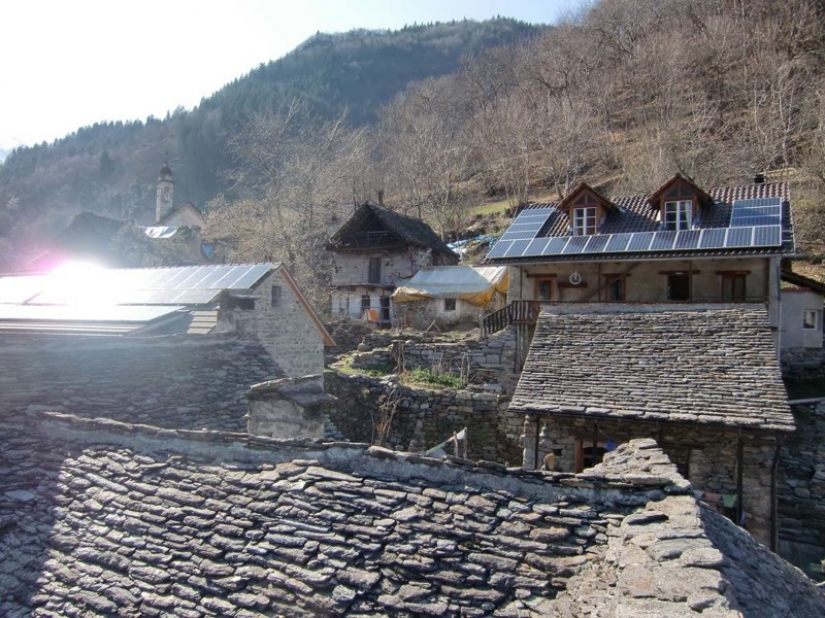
[584, 220]
[678, 207]
[374, 270]
[365, 303]
[732, 278]
[554, 290]
[609, 281]
[805, 322]
[276, 296]
[583, 445]
[450, 305]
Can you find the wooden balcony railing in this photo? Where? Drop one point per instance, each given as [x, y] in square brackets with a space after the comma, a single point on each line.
[517, 312]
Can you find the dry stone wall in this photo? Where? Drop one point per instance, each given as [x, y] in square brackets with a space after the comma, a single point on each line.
[426, 416]
[802, 490]
[430, 415]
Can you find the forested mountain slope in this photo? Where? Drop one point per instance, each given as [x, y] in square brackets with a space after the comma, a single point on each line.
[622, 96]
[110, 168]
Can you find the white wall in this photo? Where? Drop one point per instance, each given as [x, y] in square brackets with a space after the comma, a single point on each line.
[792, 333]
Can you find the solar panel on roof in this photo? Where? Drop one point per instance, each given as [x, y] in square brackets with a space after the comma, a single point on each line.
[739, 237]
[499, 249]
[663, 241]
[527, 224]
[576, 244]
[712, 238]
[596, 244]
[536, 247]
[556, 245]
[689, 239]
[517, 248]
[84, 313]
[617, 243]
[640, 241]
[18, 289]
[767, 236]
[760, 211]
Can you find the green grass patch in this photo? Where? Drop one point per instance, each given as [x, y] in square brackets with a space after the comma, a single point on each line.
[425, 376]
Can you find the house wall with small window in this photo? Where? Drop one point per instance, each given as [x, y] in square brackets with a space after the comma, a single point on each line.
[701, 281]
[382, 267]
[801, 319]
[354, 301]
[706, 455]
[444, 312]
[281, 322]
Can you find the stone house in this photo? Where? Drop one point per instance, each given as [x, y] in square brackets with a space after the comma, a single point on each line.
[446, 296]
[372, 251]
[258, 301]
[660, 317]
[801, 322]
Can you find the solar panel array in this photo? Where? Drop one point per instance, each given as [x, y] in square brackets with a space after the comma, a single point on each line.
[186, 285]
[754, 223]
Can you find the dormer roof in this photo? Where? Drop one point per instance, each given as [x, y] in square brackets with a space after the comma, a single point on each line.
[679, 181]
[573, 197]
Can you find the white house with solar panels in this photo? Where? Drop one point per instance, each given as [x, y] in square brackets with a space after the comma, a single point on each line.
[259, 301]
[679, 244]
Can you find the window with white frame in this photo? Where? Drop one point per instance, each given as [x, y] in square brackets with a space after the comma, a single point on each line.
[449, 304]
[584, 221]
[810, 319]
[678, 215]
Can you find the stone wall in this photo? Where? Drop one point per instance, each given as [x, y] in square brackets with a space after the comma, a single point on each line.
[191, 382]
[803, 363]
[353, 268]
[706, 455]
[802, 489]
[425, 415]
[286, 330]
[421, 314]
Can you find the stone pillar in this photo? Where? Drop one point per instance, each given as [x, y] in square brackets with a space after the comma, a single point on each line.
[547, 459]
[528, 439]
[288, 409]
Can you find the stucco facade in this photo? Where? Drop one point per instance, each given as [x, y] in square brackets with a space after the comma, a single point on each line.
[801, 323]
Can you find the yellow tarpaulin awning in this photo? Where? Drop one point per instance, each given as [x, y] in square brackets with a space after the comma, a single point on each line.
[476, 285]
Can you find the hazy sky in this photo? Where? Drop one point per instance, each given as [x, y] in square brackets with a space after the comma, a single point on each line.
[69, 63]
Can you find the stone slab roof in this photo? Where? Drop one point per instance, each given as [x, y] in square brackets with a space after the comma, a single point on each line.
[407, 229]
[713, 364]
[187, 382]
[104, 518]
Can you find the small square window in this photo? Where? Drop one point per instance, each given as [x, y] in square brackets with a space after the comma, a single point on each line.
[449, 304]
[276, 295]
[810, 319]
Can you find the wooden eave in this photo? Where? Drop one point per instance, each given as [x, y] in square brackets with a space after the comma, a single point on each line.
[567, 203]
[701, 196]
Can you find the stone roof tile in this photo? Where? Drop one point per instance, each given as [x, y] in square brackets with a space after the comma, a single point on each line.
[712, 364]
[160, 547]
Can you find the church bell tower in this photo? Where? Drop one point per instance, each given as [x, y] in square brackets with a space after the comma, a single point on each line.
[166, 190]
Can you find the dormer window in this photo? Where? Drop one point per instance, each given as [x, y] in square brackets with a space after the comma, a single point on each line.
[584, 221]
[678, 215]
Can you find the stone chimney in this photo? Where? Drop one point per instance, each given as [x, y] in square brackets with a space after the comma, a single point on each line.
[288, 408]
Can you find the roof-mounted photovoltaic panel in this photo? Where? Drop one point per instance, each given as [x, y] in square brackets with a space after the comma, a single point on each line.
[761, 236]
[15, 290]
[528, 224]
[84, 313]
[762, 211]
